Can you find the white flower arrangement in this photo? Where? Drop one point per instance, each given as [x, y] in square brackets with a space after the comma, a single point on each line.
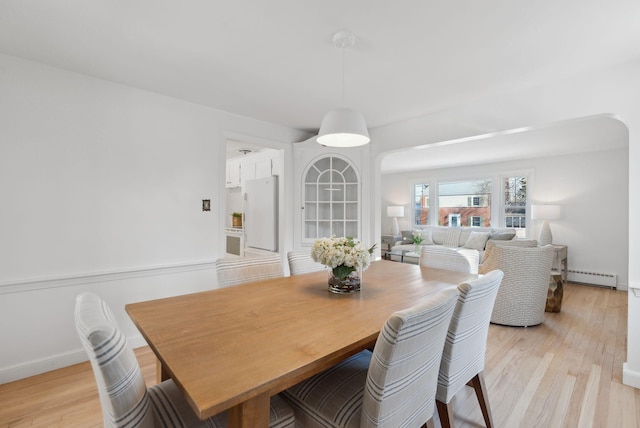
[342, 255]
[417, 237]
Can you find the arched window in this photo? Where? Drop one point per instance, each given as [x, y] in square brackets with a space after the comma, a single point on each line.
[330, 196]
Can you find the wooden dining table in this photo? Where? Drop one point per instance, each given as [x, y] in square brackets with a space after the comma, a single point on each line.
[233, 348]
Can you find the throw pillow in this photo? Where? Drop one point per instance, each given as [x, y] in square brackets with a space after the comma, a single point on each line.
[452, 236]
[407, 235]
[477, 240]
[503, 236]
[427, 237]
[438, 234]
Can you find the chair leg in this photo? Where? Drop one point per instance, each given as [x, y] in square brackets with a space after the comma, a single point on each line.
[429, 424]
[445, 413]
[477, 382]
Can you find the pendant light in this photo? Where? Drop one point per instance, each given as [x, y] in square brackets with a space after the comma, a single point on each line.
[343, 127]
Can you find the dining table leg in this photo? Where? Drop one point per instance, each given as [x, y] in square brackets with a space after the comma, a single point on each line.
[161, 374]
[252, 413]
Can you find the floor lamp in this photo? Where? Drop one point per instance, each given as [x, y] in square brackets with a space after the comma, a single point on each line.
[545, 213]
[395, 212]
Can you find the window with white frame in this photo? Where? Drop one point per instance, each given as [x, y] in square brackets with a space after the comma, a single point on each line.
[464, 203]
[515, 203]
[469, 203]
[475, 221]
[331, 199]
[421, 204]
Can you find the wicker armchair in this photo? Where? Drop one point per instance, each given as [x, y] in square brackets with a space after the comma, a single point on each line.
[522, 296]
[491, 244]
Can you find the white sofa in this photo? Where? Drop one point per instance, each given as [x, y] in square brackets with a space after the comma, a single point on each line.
[474, 238]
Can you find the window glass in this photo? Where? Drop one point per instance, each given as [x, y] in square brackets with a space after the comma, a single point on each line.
[421, 207]
[330, 199]
[515, 203]
[475, 221]
[469, 203]
[464, 203]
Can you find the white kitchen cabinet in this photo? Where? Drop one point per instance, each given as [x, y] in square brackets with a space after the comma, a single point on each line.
[276, 164]
[253, 166]
[234, 173]
[263, 168]
[248, 170]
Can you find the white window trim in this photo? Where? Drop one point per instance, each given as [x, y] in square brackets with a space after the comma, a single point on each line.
[497, 207]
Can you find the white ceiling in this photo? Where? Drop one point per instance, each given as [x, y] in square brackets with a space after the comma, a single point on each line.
[274, 60]
[562, 138]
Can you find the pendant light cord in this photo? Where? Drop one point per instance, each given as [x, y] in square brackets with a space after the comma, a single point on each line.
[343, 76]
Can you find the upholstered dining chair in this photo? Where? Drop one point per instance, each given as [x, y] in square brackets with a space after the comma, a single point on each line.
[125, 399]
[465, 346]
[392, 387]
[302, 262]
[234, 271]
[522, 296]
[456, 259]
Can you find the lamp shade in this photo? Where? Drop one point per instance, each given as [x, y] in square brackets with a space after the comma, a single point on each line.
[395, 211]
[343, 127]
[545, 212]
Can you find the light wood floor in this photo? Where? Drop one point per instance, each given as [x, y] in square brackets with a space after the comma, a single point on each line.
[566, 372]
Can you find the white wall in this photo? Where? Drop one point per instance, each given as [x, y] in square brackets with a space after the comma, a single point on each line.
[101, 188]
[595, 207]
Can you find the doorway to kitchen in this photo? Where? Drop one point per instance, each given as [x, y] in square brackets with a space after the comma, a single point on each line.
[247, 164]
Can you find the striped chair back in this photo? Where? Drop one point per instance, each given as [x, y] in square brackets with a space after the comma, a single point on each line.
[301, 262]
[402, 378]
[455, 259]
[126, 401]
[123, 393]
[466, 344]
[240, 270]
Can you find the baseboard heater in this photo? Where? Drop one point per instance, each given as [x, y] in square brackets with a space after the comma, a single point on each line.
[594, 278]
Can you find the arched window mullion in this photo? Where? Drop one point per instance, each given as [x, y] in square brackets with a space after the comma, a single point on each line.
[336, 213]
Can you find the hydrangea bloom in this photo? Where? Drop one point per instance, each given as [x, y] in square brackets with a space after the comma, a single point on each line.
[342, 255]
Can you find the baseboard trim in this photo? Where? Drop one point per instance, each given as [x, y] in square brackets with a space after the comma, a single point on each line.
[32, 368]
[630, 377]
[22, 286]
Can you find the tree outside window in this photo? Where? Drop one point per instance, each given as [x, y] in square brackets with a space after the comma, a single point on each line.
[515, 203]
[421, 205]
[468, 203]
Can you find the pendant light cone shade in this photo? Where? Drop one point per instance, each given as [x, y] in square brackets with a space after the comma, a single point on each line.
[343, 127]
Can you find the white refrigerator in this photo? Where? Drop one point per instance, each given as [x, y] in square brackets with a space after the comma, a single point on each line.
[261, 213]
